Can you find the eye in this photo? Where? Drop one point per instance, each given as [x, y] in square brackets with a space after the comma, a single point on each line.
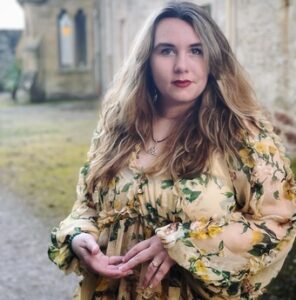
[196, 51]
[166, 51]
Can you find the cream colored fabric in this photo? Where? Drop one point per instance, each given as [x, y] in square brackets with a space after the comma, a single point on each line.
[229, 229]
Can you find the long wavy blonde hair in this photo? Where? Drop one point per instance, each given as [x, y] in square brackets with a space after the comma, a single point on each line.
[223, 108]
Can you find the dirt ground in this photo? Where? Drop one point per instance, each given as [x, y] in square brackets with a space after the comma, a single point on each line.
[25, 271]
[26, 216]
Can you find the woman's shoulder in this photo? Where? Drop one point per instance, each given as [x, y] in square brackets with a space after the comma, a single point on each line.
[260, 130]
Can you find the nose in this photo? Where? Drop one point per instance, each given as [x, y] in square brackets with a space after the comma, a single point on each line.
[181, 63]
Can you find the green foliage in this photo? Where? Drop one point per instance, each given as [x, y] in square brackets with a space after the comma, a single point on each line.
[12, 77]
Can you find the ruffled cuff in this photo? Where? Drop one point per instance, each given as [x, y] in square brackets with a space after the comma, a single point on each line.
[63, 255]
[170, 234]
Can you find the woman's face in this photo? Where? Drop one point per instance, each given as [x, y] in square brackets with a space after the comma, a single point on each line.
[177, 63]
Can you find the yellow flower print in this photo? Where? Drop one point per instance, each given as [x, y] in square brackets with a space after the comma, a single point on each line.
[214, 230]
[272, 150]
[111, 184]
[205, 233]
[117, 204]
[257, 237]
[261, 147]
[204, 277]
[288, 191]
[200, 235]
[282, 245]
[246, 158]
[202, 251]
[200, 223]
[59, 259]
[201, 270]
[200, 267]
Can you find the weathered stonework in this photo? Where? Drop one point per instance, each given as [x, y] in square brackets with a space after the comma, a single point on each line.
[39, 50]
[260, 33]
[266, 47]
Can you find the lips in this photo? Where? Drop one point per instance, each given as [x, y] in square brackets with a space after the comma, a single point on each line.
[182, 83]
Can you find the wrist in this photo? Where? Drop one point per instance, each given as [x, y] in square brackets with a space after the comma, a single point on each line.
[70, 242]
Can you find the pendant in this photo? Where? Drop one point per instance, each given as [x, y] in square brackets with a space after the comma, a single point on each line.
[152, 150]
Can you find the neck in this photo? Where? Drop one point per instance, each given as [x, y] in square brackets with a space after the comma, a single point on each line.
[162, 127]
[173, 111]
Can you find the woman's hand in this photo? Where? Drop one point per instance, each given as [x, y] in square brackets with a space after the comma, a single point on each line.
[149, 250]
[87, 250]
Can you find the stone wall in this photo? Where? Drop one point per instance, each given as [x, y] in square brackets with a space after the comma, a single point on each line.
[260, 33]
[39, 50]
[266, 47]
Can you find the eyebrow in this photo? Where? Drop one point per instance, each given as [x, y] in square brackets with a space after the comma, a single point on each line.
[159, 45]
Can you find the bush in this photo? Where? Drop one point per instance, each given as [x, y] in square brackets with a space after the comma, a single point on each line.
[12, 78]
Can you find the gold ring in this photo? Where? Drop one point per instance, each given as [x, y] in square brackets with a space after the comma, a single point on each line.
[155, 264]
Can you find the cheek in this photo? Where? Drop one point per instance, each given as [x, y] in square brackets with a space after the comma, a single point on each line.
[201, 69]
[159, 72]
[202, 74]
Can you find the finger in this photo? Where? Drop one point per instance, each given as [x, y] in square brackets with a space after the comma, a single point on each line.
[140, 258]
[136, 249]
[153, 267]
[112, 271]
[125, 275]
[115, 260]
[91, 245]
[161, 272]
[151, 271]
[103, 268]
[82, 253]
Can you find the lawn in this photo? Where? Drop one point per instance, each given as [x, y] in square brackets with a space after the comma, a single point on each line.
[42, 147]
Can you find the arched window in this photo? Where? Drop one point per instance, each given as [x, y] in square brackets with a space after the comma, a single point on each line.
[66, 40]
[80, 38]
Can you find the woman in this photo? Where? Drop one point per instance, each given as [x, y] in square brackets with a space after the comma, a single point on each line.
[187, 193]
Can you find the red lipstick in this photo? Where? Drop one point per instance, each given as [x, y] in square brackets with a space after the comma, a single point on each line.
[182, 83]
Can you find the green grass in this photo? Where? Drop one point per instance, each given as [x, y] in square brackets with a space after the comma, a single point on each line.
[42, 149]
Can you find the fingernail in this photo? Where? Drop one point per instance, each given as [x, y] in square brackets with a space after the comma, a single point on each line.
[130, 272]
[150, 286]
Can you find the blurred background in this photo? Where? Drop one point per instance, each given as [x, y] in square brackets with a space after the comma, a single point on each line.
[57, 58]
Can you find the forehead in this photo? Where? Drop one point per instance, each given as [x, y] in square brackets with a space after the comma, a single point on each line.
[175, 31]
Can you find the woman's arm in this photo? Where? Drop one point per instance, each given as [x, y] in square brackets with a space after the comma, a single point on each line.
[229, 253]
[81, 219]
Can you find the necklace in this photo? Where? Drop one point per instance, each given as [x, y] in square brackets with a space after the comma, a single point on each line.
[152, 150]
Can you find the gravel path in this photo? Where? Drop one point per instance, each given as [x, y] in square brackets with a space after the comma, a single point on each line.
[25, 271]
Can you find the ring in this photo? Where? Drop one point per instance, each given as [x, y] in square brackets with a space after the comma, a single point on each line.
[155, 264]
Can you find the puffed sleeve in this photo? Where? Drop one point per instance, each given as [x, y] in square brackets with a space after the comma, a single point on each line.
[82, 218]
[231, 255]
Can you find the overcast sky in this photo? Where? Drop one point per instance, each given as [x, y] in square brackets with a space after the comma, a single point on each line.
[11, 15]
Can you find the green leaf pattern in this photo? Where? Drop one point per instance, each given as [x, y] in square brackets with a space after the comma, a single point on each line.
[191, 216]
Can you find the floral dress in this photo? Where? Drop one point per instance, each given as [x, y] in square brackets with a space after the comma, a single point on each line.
[228, 229]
